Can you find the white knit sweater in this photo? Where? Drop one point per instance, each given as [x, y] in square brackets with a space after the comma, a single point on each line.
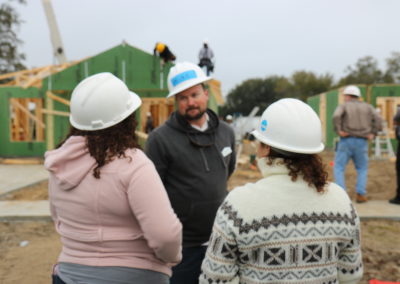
[280, 231]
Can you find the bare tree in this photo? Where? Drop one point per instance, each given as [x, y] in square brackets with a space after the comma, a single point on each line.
[10, 58]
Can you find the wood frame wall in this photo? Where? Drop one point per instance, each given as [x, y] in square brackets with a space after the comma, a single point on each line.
[160, 109]
[26, 124]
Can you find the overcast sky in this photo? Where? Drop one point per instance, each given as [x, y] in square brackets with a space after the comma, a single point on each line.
[250, 38]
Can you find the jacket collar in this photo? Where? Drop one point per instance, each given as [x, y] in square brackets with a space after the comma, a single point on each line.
[277, 167]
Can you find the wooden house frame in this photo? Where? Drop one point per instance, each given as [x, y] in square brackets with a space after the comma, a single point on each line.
[34, 104]
[385, 97]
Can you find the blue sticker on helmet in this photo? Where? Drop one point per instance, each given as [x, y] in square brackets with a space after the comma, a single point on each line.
[264, 124]
[182, 77]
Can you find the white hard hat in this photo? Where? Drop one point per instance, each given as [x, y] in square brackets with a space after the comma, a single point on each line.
[229, 117]
[352, 90]
[100, 101]
[183, 76]
[290, 125]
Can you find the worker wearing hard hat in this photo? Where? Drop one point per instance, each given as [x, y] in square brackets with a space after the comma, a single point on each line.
[355, 122]
[194, 155]
[106, 199]
[229, 119]
[206, 56]
[292, 224]
[162, 50]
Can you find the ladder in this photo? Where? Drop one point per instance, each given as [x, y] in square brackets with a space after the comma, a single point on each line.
[383, 147]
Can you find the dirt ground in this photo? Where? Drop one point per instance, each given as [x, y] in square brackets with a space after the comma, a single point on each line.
[29, 249]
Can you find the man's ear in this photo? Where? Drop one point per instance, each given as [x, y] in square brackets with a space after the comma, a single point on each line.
[206, 92]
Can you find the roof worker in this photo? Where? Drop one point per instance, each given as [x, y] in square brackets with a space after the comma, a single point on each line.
[205, 57]
[355, 122]
[194, 153]
[292, 226]
[396, 122]
[106, 199]
[162, 50]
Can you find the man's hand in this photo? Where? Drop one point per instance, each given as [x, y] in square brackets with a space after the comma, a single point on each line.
[343, 134]
[371, 136]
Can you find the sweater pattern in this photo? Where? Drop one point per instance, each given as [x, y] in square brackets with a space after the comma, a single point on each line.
[270, 259]
[267, 233]
[266, 223]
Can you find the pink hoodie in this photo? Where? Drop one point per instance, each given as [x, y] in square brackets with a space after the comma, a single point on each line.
[122, 219]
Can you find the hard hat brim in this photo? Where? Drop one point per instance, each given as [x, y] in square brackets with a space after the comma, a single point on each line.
[299, 150]
[188, 85]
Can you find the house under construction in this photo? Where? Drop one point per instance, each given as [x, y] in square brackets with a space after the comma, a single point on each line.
[34, 104]
[385, 97]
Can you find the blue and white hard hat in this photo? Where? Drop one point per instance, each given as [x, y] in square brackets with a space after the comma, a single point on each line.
[290, 125]
[183, 76]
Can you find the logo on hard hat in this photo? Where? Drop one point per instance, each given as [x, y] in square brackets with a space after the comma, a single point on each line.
[264, 124]
[182, 77]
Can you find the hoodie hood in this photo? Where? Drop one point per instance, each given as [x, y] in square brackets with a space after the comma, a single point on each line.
[70, 163]
[198, 138]
[179, 122]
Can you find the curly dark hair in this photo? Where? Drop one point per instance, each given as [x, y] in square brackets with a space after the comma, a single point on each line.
[310, 166]
[106, 144]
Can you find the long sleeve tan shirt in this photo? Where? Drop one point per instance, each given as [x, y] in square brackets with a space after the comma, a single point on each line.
[357, 118]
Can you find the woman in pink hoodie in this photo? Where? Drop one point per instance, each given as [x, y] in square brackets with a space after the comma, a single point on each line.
[107, 201]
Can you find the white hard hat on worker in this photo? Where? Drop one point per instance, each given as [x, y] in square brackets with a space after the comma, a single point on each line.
[352, 91]
[101, 101]
[292, 126]
[185, 84]
[183, 76]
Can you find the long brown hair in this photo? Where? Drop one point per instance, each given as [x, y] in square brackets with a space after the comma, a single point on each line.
[106, 144]
[310, 166]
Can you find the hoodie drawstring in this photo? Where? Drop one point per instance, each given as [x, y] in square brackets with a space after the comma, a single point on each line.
[204, 160]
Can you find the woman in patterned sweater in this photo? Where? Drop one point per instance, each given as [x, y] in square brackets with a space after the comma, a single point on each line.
[292, 226]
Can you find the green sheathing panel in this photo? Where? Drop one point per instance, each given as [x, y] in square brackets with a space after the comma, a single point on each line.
[331, 104]
[61, 123]
[144, 72]
[155, 93]
[383, 91]
[138, 69]
[313, 102]
[9, 148]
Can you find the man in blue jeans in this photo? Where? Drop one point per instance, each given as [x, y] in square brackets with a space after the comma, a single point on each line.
[355, 122]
